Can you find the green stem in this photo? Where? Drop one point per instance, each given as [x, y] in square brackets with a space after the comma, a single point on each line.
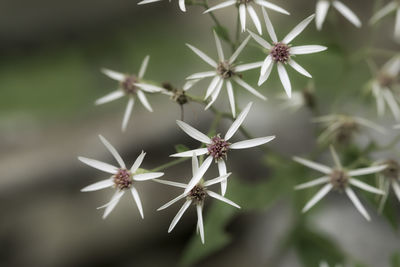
[169, 164]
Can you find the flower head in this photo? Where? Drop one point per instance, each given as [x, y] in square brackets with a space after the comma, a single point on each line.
[389, 177]
[322, 10]
[340, 179]
[391, 7]
[282, 52]
[122, 178]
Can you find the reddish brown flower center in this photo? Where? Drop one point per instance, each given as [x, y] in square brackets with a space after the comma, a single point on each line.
[123, 179]
[128, 85]
[339, 179]
[218, 147]
[197, 194]
[280, 52]
[225, 70]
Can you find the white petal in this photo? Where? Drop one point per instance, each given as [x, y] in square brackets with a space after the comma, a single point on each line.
[138, 162]
[265, 77]
[270, 28]
[368, 170]
[313, 165]
[200, 173]
[306, 49]
[271, 6]
[297, 30]
[260, 40]
[182, 5]
[149, 88]
[203, 56]
[252, 142]
[357, 203]
[215, 93]
[366, 187]
[105, 167]
[385, 186]
[390, 100]
[219, 47]
[195, 164]
[111, 205]
[318, 196]
[369, 124]
[192, 132]
[110, 97]
[312, 183]
[180, 185]
[266, 65]
[396, 189]
[136, 197]
[222, 171]
[254, 17]
[213, 84]
[189, 153]
[222, 5]
[335, 157]
[248, 66]
[200, 222]
[231, 97]
[179, 215]
[201, 75]
[397, 26]
[113, 75]
[148, 1]
[217, 180]
[242, 16]
[189, 84]
[248, 87]
[236, 124]
[221, 198]
[169, 203]
[147, 176]
[320, 13]
[128, 112]
[391, 6]
[299, 68]
[283, 76]
[143, 99]
[113, 151]
[392, 66]
[239, 50]
[143, 67]
[347, 13]
[99, 185]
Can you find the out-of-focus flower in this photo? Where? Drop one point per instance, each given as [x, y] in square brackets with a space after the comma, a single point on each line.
[299, 99]
[322, 9]
[281, 53]
[217, 147]
[181, 3]
[122, 179]
[341, 128]
[225, 71]
[244, 5]
[337, 178]
[128, 86]
[389, 177]
[325, 264]
[195, 195]
[391, 7]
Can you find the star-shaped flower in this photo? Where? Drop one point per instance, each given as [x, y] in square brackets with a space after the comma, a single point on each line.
[244, 5]
[389, 177]
[337, 178]
[181, 3]
[322, 9]
[195, 195]
[393, 6]
[224, 72]
[128, 86]
[282, 52]
[217, 147]
[122, 179]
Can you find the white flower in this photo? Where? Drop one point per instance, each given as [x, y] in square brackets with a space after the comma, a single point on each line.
[195, 195]
[389, 177]
[338, 178]
[181, 3]
[128, 85]
[322, 9]
[393, 6]
[244, 5]
[224, 71]
[217, 147]
[122, 179]
[385, 87]
[281, 53]
[299, 99]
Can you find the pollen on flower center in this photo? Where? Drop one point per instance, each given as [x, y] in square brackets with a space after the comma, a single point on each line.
[123, 179]
[128, 85]
[218, 147]
[225, 70]
[392, 169]
[280, 53]
[197, 194]
[339, 179]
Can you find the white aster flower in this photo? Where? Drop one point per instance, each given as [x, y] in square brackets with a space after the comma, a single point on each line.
[389, 177]
[281, 53]
[322, 9]
[129, 86]
[217, 147]
[181, 3]
[244, 5]
[393, 6]
[122, 179]
[195, 195]
[225, 71]
[337, 178]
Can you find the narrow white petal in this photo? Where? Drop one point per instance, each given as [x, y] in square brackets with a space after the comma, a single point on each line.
[219, 47]
[213, 84]
[201, 75]
[299, 68]
[335, 157]
[143, 67]
[265, 77]
[179, 215]
[113, 74]
[239, 50]
[215, 93]
[266, 65]
[297, 30]
[306, 49]
[203, 56]
[99, 185]
[136, 197]
[105, 167]
[236, 124]
[270, 28]
[190, 84]
[217, 180]
[397, 26]
[222, 171]
[176, 184]
[111, 205]
[200, 173]
[318, 196]
[254, 17]
[128, 112]
[200, 222]
[144, 101]
[391, 6]
[147, 176]
[369, 124]
[312, 183]
[221, 198]
[283, 76]
[148, 1]
[366, 187]
[260, 40]
[138, 162]
[368, 170]
[252, 142]
[248, 88]
[392, 66]
[110, 97]
[242, 16]
[347, 13]
[189, 153]
[390, 100]
[222, 5]
[248, 66]
[313, 165]
[195, 164]
[192, 132]
[357, 203]
[396, 189]
[113, 151]
[149, 88]
[231, 97]
[182, 5]
[320, 13]
[169, 203]
[385, 186]
[271, 6]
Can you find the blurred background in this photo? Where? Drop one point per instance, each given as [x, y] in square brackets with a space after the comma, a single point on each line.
[51, 55]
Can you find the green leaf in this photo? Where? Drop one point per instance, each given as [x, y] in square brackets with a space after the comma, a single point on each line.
[222, 32]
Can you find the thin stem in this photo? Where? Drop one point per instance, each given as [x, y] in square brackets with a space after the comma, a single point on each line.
[169, 164]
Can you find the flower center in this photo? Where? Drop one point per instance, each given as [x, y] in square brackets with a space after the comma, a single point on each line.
[123, 179]
[280, 53]
[218, 147]
[345, 131]
[339, 179]
[392, 169]
[128, 85]
[197, 194]
[386, 80]
[225, 70]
